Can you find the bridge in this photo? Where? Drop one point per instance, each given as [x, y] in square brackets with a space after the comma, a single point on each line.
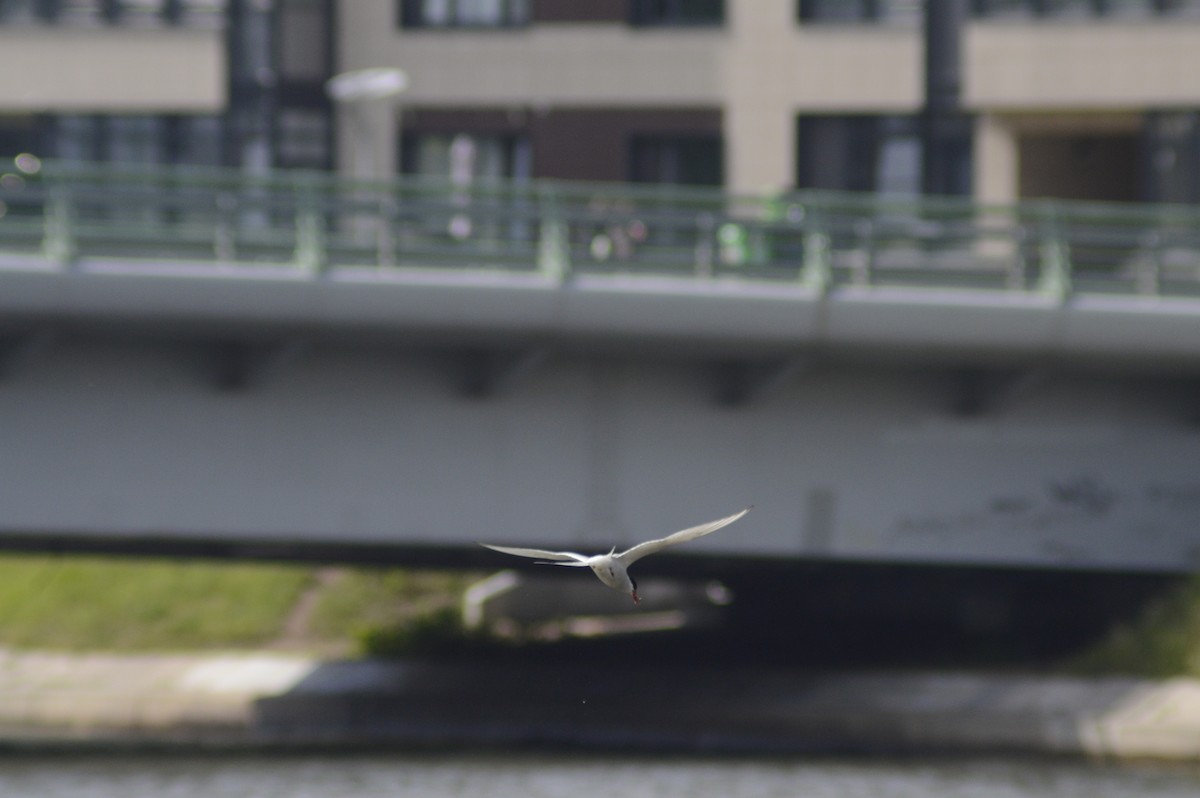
[301, 365]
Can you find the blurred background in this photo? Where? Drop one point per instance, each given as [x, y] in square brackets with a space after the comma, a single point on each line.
[300, 300]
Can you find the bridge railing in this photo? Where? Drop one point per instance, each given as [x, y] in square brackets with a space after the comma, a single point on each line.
[319, 222]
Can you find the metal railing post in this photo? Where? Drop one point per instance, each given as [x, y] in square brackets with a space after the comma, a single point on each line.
[1055, 256]
[817, 270]
[1018, 269]
[1149, 272]
[703, 253]
[553, 254]
[385, 242]
[311, 254]
[224, 246]
[865, 267]
[310, 240]
[58, 242]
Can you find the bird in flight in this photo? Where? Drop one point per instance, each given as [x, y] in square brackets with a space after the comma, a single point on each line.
[612, 568]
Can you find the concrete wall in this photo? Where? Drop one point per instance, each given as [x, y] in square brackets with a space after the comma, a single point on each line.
[344, 445]
[1072, 66]
[64, 70]
[995, 160]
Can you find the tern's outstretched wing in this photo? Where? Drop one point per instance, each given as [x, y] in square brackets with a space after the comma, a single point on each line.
[632, 555]
[556, 557]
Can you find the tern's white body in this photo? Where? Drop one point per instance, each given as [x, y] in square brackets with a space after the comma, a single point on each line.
[613, 569]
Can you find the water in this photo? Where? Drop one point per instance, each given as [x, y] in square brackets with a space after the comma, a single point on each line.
[539, 776]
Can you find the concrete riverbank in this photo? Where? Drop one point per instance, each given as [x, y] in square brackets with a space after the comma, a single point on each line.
[240, 701]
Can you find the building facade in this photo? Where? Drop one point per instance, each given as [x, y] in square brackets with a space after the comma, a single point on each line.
[202, 82]
[995, 99]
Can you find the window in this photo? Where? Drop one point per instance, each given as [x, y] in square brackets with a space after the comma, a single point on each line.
[249, 132]
[464, 13]
[303, 139]
[142, 13]
[134, 13]
[197, 141]
[898, 169]
[82, 12]
[836, 152]
[198, 13]
[303, 41]
[1068, 9]
[1171, 145]
[859, 153]
[682, 160]
[19, 10]
[252, 46]
[677, 12]
[885, 154]
[949, 140]
[890, 11]
[466, 157]
[133, 139]
[1190, 7]
[1128, 8]
[76, 138]
[1003, 8]
[835, 10]
[18, 134]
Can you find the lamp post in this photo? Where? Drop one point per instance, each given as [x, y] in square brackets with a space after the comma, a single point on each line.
[354, 91]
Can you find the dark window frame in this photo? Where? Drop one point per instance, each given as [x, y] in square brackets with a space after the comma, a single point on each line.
[22, 133]
[114, 13]
[1174, 134]
[510, 141]
[872, 12]
[409, 17]
[1046, 9]
[674, 14]
[862, 137]
[862, 144]
[642, 144]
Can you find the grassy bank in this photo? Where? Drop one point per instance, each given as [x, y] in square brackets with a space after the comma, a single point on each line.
[1163, 641]
[97, 603]
[93, 603]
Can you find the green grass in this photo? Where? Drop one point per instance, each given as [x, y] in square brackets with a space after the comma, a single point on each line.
[1163, 641]
[94, 603]
[369, 603]
[82, 603]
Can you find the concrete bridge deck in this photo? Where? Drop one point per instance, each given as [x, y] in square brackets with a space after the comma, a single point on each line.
[560, 265]
[211, 358]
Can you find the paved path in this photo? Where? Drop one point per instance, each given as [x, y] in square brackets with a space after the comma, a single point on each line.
[275, 700]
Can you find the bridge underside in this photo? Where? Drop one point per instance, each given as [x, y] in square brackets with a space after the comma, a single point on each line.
[407, 453]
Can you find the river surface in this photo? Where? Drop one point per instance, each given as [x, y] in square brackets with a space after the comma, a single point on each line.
[545, 776]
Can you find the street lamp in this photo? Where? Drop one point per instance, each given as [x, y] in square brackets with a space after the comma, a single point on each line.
[354, 91]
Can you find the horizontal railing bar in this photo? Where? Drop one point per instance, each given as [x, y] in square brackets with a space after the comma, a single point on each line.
[319, 219]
